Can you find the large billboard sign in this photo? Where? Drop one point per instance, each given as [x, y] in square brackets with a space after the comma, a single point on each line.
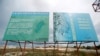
[29, 26]
[73, 27]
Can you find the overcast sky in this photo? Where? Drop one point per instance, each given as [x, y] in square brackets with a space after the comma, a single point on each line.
[73, 6]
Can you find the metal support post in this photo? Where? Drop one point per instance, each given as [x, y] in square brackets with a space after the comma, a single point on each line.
[5, 48]
[96, 49]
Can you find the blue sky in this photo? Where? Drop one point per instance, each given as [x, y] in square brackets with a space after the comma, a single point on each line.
[72, 6]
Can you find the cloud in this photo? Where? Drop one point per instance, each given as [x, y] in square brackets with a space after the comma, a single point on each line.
[98, 28]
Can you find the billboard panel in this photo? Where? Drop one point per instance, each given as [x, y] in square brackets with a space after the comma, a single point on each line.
[73, 27]
[83, 27]
[62, 27]
[31, 26]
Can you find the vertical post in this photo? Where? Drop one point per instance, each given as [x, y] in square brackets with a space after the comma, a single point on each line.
[45, 47]
[54, 49]
[57, 46]
[66, 49]
[24, 49]
[57, 49]
[20, 46]
[80, 45]
[33, 48]
[96, 49]
[78, 48]
[4, 48]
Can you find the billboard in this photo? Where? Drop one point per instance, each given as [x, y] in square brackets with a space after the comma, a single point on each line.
[73, 27]
[29, 26]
